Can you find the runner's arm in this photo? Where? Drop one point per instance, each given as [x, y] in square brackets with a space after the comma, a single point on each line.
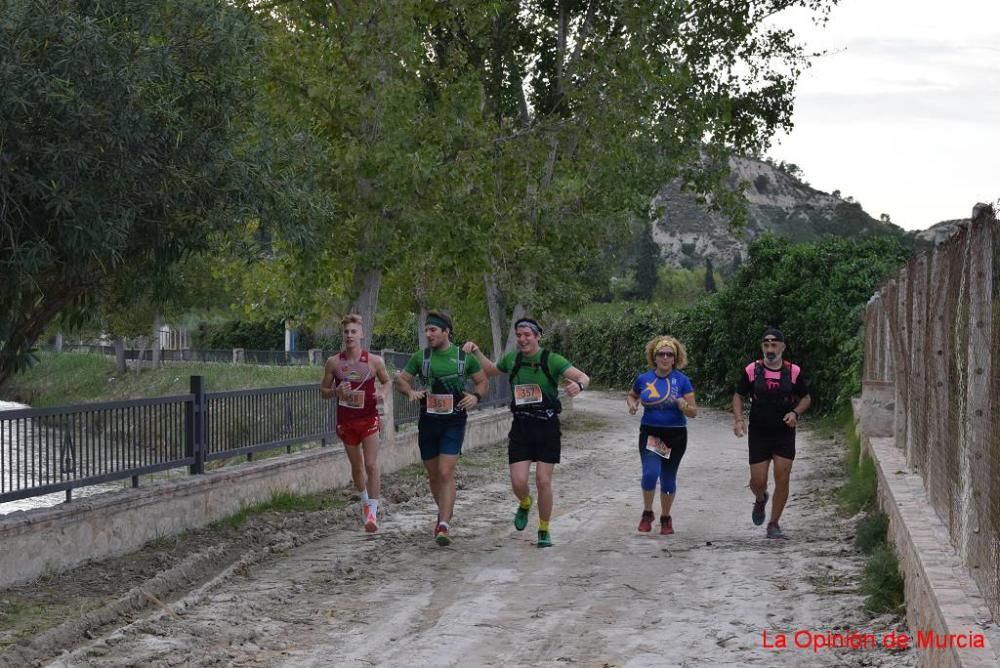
[403, 381]
[482, 384]
[739, 428]
[791, 418]
[687, 405]
[326, 389]
[578, 381]
[471, 348]
[382, 374]
[632, 401]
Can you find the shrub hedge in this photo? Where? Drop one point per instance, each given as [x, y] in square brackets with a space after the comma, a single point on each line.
[815, 293]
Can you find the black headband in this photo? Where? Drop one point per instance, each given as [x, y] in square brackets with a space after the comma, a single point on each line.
[530, 324]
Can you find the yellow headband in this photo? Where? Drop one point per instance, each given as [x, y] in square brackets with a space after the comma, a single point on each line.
[664, 344]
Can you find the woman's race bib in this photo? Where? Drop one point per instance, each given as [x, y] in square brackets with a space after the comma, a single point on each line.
[658, 446]
[440, 404]
[525, 395]
[352, 399]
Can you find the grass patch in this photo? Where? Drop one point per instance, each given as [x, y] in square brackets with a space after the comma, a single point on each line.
[871, 532]
[68, 378]
[20, 621]
[882, 582]
[858, 493]
[283, 502]
[580, 422]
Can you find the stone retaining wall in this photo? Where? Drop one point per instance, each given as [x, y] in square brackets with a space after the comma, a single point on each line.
[940, 594]
[41, 540]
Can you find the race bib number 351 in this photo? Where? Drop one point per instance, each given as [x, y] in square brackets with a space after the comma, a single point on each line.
[353, 399]
[657, 445]
[440, 404]
[525, 395]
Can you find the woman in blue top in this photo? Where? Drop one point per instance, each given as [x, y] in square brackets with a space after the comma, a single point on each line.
[667, 398]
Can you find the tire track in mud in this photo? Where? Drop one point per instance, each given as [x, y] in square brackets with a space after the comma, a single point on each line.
[603, 595]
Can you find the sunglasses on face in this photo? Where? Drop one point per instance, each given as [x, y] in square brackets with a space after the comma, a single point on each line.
[665, 353]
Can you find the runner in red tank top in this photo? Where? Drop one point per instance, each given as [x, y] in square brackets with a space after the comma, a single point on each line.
[350, 378]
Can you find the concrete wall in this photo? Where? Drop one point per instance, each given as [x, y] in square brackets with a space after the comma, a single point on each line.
[35, 541]
[940, 594]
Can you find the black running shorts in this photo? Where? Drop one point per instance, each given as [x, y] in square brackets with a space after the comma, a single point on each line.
[534, 440]
[766, 443]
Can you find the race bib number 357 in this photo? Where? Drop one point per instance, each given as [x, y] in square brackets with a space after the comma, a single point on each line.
[525, 395]
[440, 404]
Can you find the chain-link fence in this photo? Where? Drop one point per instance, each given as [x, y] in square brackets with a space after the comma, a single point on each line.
[934, 331]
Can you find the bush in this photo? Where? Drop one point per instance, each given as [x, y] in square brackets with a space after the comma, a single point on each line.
[252, 335]
[871, 532]
[882, 582]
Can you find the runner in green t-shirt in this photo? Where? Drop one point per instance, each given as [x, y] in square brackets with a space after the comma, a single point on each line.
[535, 434]
[442, 368]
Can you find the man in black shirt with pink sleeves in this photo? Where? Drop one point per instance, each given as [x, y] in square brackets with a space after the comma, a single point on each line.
[779, 395]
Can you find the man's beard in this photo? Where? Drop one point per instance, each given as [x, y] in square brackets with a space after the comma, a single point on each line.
[772, 356]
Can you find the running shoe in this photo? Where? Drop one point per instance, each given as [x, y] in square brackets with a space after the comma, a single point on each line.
[521, 518]
[544, 539]
[646, 523]
[441, 536]
[666, 525]
[758, 510]
[774, 531]
[371, 523]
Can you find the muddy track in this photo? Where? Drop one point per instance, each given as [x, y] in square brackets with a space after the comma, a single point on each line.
[312, 590]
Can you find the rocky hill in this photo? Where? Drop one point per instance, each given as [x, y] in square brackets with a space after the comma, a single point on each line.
[777, 201]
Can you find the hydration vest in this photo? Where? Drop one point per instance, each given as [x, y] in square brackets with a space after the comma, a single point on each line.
[784, 397]
[428, 378]
[549, 407]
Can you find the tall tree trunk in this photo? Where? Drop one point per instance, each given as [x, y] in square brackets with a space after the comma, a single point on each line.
[120, 365]
[367, 283]
[496, 313]
[421, 321]
[518, 313]
[156, 341]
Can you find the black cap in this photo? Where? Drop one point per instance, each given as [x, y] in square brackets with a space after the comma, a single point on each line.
[773, 333]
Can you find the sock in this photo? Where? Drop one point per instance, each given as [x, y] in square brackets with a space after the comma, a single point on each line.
[525, 502]
[364, 496]
[374, 505]
[444, 524]
[543, 525]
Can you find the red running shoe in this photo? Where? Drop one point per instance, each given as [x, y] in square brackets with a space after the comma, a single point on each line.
[646, 523]
[371, 523]
[666, 526]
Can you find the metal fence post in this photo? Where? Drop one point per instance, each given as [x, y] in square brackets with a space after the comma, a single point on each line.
[194, 426]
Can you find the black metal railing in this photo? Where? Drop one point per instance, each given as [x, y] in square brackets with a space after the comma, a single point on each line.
[46, 450]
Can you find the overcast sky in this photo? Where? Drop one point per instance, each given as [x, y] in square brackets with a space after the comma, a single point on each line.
[904, 113]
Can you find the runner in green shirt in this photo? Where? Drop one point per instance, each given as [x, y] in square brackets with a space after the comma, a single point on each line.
[443, 369]
[535, 434]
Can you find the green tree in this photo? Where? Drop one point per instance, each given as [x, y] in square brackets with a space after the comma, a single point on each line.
[123, 147]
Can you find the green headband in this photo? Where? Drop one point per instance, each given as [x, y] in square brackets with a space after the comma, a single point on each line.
[438, 322]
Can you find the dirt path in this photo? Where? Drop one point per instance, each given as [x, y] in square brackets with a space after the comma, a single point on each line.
[602, 596]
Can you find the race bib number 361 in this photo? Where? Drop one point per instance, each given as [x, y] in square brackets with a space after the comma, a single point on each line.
[440, 404]
[657, 445]
[525, 395]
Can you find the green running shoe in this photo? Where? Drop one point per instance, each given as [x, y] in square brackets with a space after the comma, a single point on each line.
[544, 539]
[441, 536]
[521, 518]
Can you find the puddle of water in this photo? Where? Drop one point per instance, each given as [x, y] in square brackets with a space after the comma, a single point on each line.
[46, 500]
